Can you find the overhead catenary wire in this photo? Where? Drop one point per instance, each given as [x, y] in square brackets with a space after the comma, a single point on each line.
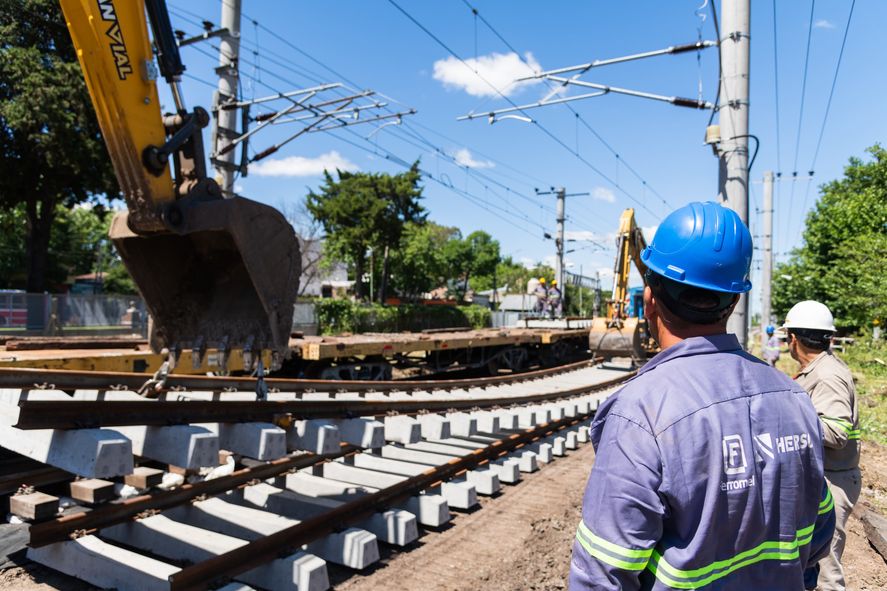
[577, 115]
[544, 129]
[318, 80]
[287, 65]
[801, 112]
[315, 78]
[475, 199]
[828, 104]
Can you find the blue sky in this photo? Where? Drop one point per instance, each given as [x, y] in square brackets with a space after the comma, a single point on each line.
[372, 45]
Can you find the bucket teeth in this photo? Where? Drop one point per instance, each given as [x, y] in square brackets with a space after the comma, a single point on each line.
[198, 352]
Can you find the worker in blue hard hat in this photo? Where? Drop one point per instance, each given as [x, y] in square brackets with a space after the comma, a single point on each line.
[708, 469]
[771, 346]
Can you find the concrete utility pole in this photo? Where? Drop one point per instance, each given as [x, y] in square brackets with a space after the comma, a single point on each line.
[226, 120]
[562, 195]
[559, 240]
[767, 247]
[733, 119]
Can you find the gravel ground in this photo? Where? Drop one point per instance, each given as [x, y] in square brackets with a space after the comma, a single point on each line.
[520, 540]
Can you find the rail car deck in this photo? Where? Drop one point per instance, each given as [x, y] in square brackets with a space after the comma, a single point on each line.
[465, 348]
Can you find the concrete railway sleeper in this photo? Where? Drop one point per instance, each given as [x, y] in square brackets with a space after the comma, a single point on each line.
[314, 490]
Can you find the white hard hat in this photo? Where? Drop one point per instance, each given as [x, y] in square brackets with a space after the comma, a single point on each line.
[810, 315]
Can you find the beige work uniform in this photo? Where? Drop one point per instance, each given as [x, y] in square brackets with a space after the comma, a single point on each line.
[829, 383]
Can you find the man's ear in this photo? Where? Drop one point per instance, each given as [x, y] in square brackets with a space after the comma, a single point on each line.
[650, 304]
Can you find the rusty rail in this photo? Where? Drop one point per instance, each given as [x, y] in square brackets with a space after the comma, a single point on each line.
[255, 553]
[81, 414]
[86, 522]
[24, 377]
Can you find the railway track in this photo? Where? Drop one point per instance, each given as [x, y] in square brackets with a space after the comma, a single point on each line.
[320, 472]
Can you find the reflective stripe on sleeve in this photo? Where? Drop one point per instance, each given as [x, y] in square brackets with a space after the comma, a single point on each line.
[845, 426]
[610, 553]
[827, 504]
[700, 577]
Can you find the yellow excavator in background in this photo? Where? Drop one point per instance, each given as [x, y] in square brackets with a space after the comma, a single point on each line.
[620, 334]
[214, 271]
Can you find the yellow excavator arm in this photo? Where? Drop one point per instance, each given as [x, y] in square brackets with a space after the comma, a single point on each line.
[214, 272]
[617, 335]
[112, 43]
[630, 243]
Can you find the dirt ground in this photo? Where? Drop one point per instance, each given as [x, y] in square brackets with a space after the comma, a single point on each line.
[520, 540]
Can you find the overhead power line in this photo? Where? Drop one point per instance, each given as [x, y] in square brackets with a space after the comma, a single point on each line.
[508, 211]
[828, 104]
[801, 110]
[545, 130]
[578, 116]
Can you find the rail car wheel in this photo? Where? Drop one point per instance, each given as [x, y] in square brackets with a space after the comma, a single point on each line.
[512, 359]
[373, 371]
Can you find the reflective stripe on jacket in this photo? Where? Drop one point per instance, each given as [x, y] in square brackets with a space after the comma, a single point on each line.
[830, 385]
[708, 475]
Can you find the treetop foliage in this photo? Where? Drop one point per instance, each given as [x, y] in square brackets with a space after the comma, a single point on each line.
[841, 259]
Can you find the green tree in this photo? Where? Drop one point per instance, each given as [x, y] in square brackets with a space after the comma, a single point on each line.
[420, 265]
[475, 255]
[78, 244]
[840, 261]
[512, 274]
[51, 152]
[362, 210]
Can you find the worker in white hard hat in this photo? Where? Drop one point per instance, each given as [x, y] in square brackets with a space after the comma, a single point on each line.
[828, 381]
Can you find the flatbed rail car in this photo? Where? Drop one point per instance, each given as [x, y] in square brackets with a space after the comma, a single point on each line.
[373, 356]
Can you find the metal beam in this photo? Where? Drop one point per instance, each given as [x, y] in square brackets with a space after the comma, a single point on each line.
[582, 68]
[674, 100]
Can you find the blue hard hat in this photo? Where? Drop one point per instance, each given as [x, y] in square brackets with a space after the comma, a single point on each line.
[704, 245]
[771, 329]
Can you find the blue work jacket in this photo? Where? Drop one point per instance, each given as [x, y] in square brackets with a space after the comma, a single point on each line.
[708, 475]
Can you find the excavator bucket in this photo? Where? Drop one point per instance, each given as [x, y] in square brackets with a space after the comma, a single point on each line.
[618, 341]
[227, 276]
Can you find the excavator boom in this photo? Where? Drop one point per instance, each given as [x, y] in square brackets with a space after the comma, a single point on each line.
[214, 272]
[617, 334]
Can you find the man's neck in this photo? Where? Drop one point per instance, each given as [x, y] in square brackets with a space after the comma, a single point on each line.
[669, 339]
[806, 357]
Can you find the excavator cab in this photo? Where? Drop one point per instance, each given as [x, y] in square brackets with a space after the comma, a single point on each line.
[214, 271]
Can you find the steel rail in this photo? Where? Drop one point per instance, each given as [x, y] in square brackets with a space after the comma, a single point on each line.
[82, 414]
[262, 550]
[24, 377]
[86, 522]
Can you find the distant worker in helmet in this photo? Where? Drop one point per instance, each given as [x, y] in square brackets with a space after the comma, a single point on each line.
[828, 381]
[541, 293]
[771, 346]
[708, 473]
[555, 300]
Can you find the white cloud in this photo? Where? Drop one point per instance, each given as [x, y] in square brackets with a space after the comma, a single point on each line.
[823, 24]
[463, 157]
[649, 232]
[238, 188]
[499, 69]
[582, 235]
[302, 166]
[603, 194]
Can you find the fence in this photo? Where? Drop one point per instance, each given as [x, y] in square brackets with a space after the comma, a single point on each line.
[71, 314]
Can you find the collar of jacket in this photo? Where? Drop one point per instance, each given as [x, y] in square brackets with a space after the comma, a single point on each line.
[718, 343]
[816, 361]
